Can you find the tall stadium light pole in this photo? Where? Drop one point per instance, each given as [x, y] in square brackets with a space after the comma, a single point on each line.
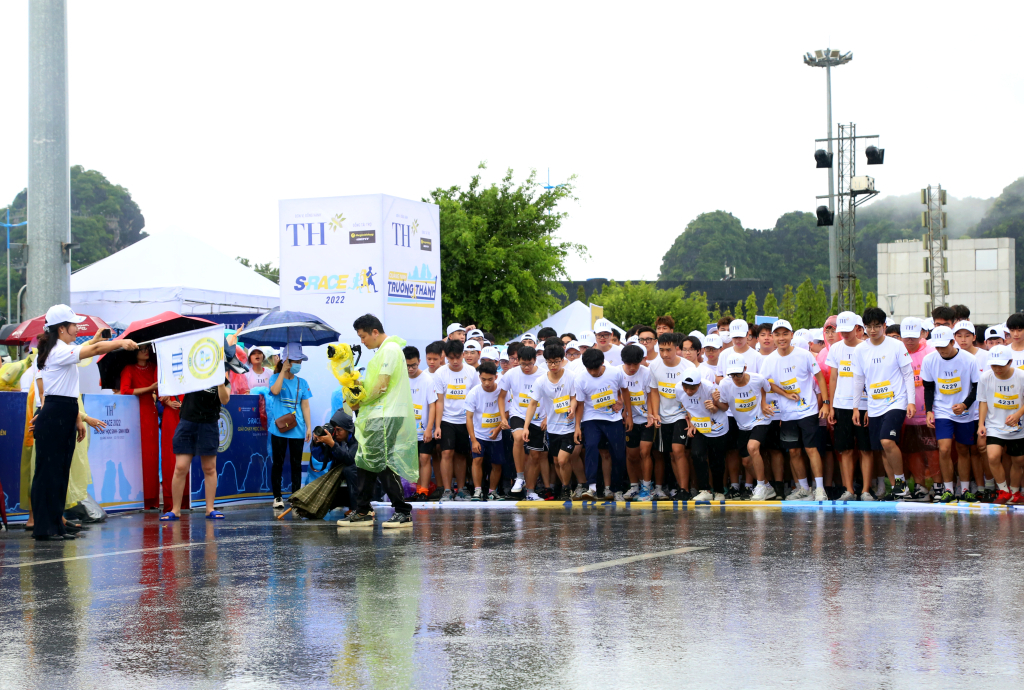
[49, 184]
[828, 59]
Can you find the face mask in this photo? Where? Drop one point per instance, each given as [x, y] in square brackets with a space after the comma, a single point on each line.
[296, 368]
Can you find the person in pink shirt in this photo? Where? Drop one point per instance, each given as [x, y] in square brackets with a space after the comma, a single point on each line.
[830, 337]
[920, 449]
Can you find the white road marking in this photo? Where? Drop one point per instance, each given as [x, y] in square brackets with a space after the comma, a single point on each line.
[28, 564]
[631, 559]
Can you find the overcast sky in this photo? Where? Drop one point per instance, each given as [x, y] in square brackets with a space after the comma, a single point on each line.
[210, 112]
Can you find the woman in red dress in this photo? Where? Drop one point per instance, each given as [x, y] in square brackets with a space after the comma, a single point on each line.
[139, 379]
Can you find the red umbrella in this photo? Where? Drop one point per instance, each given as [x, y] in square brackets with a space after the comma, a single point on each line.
[159, 326]
[33, 328]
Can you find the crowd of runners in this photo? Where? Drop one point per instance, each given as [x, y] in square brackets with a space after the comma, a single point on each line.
[860, 409]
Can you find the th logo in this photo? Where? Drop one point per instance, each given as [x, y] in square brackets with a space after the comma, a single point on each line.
[403, 235]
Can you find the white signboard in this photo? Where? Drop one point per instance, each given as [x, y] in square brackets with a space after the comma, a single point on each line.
[191, 361]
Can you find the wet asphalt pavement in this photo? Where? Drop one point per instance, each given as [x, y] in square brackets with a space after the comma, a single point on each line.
[474, 599]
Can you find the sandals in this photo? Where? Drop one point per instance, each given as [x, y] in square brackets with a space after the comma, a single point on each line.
[169, 516]
[215, 515]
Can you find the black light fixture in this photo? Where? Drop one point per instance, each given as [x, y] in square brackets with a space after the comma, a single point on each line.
[823, 158]
[876, 156]
[825, 217]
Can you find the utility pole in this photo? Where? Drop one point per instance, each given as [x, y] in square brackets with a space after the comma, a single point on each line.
[49, 184]
[934, 242]
[828, 59]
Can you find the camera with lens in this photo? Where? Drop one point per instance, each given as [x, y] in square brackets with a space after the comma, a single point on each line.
[326, 430]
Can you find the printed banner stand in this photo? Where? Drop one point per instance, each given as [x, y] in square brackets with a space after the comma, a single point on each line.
[115, 453]
[243, 459]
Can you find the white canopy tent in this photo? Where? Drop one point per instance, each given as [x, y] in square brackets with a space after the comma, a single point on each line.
[575, 319]
[169, 272]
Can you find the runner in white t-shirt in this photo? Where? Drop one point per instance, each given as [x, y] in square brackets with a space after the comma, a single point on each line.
[740, 334]
[707, 427]
[849, 437]
[528, 446]
[950, 381]
[555, 395]
[965, 336]
[1001, 404]
[452, 383]
[601, 395]
[883, 367]
[745, 395]
[639, 439]
[603, 333]
[668, 416]
[483, 424]
[424, 397]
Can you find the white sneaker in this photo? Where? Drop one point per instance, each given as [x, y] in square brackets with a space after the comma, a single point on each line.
[608, 495]
[848, 496]
[278, 503]
[630, 495]
[820, 494]
[578, 493]
[799, 494]
[867, 496]
[659, 495]
[704, 496]
[518, 485]
[532, 496]
[619, 496]
[761, 493]
[719, 497]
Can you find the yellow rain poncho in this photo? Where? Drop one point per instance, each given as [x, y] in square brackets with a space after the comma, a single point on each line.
[386, 425]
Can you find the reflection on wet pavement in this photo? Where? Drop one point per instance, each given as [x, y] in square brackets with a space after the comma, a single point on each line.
[473, 599]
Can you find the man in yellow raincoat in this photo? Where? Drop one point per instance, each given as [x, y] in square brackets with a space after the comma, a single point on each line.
[385, 427]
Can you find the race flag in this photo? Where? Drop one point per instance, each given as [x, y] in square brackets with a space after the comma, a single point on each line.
[191, 361]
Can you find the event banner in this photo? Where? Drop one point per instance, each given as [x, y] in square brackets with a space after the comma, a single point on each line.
[243, 457]
[342, 257]
[12, 433]
[191, 361]
[115, 453]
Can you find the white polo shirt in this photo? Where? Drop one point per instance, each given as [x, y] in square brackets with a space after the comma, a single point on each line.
[60, 375]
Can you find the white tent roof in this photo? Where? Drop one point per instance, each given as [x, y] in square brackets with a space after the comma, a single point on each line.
[575, 319]
[171, 267]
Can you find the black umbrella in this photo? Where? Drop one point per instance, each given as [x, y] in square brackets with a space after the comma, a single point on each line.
[143, 331]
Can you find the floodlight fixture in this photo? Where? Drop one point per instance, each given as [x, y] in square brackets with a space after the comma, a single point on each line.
[825, 217]
[876, 156]
[823, 158]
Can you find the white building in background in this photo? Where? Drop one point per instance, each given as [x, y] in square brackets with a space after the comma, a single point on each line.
[980, 273]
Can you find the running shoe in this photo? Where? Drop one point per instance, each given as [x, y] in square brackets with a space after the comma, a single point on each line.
[1016, 498]
[588, 495]
[947, 497]
[720, 497]
[532, 496]
[608, 495]
[704, 496]
[848, 496]
[478, 495]
[900, 491]
[968, 497]
[278, 502]
[820, 494]
[518, 485]
[421, 495]
[799, 494]
[461, 496]
[763, 493]
[1003, 497]
[566, 494]
[495, 496]
[919, 495]
[867, 496]
[631, 494]
[548, 494]
[746, 493]
[398, 520]
[619, 496]
[446, 496]
[732, 494]
[987, 495]
[660, 495]
[577, 494]
[683, 495]
[357, 520]
[644, 495]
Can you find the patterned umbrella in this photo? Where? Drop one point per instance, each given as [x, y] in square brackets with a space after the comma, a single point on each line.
[278, 328]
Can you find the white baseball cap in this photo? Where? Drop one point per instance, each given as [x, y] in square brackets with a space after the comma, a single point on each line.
[475, 333]
[587, 339]
[801, 333]
[735, 364]
[889, 321]
[472, 346]
[633, 339]
[692, 377]
[62, 313]
[800, 341]
[994, 332]
[454, 328]
[490, 353]
[603, 326]
[781, 323]
[910, 327]
[1000, 355]
[738, 329]
[941, 336]
[258, 348]
[699, 336]
[817, 335]
[928, 324]
[529, 336]
[572, 345]
[713, 341]
[846, 322]
[963, 326]
[859, 320]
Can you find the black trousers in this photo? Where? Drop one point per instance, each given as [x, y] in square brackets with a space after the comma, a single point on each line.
[709, 453]
[392, 487]
[56, 435]
[278, 446]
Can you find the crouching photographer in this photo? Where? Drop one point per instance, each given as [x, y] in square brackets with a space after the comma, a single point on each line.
[335, 443]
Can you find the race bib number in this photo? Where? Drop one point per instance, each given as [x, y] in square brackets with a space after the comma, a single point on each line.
[490, 420]
[950, 386]
[845, 369]
[790, 386]
[917, 378]
[746, 404]
[637, 399]
[882, 391]
[705, 425]
[419, 411]
[456, 392]
[524, 400]
[603, 401]
[1007, 402]
[561, 405]
[667, 390]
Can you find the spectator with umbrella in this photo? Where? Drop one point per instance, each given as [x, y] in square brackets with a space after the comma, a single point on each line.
[289, 431]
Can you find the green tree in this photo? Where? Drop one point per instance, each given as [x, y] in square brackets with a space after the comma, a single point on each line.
[835, 302]
[751, 309]
[739, 311]
[787, 308]
[870, 300]
[1006, 219]
[714, 315]
[500, 255]
[709, 243]
[581, 294]
[858, 297]
[629, 304]
[771, 304]
[266, 270]
[804, 313]
[821, 311]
